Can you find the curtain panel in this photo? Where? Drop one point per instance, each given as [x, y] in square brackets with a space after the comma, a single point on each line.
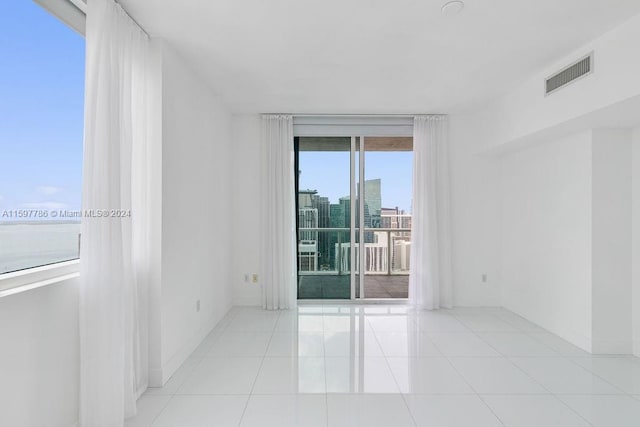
[115, 253]
[278, 223]
[430, 280]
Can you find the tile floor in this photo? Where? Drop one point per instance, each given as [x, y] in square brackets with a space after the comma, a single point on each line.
[377, 365]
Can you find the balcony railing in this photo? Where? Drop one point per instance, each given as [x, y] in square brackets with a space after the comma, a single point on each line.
[328, 251]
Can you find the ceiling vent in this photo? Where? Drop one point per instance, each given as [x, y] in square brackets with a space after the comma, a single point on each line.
[579, 69]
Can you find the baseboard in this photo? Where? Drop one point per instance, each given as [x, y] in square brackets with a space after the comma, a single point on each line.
[161, 376]
[155, 378]
[579, 340]
[247, 301]
[612, 347]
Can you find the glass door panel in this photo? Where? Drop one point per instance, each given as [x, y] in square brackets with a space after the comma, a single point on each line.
[324, 217]
[387, 189]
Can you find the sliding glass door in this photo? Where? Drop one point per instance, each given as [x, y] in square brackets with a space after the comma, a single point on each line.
[388, 179]
[344, 227]
[324, 217]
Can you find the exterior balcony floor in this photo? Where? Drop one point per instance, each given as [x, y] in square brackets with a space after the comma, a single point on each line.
[324, 286]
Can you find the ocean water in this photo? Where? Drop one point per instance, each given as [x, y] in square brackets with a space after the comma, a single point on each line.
[27, 245]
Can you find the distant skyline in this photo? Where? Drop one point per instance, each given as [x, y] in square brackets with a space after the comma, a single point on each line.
[41, 110]
[328, 173]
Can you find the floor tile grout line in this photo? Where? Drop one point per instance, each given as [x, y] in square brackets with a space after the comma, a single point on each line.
[484, 402]
[622, 392]
[474, 390]
[571, 409]
[326, 385]
[563, 355]
[196, 364]
[533, 379]
[255, 380]
[530, 334]
[598, 376]
[201, 359]
[506, 358]
[395, 380]
[520, 332]
[549, 392]
[161, 410]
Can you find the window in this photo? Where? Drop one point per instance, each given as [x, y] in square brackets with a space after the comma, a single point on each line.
[41, 133]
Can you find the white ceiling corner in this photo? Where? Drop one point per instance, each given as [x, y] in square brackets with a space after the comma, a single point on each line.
[372, 56]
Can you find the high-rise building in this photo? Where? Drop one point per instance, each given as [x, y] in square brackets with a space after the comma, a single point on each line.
[337, 219]
[373, 202]
[315, 211]
[389, 218]
[307, 218]
[337, 216]
[305, 198]
[308, 239]
[395, 218]
[345, 202]
[321, 204]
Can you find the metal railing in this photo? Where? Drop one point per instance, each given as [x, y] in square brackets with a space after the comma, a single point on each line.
[387, 253]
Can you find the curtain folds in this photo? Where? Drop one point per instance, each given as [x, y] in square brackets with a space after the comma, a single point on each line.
[430, 280]
[278, 265]
[115, 255]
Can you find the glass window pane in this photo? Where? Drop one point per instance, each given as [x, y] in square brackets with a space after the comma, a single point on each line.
[41, 132]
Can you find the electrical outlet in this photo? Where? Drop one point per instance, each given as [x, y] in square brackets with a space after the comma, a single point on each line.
[254, 278]
[198, 305]
[484, 277]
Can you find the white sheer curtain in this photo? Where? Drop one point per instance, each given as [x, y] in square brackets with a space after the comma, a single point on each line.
[114, 256]
[430, 284]
[277, 213]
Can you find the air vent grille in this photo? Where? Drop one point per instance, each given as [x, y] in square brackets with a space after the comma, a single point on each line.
[579, 69]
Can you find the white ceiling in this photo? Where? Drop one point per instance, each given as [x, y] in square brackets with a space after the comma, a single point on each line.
[372, 56]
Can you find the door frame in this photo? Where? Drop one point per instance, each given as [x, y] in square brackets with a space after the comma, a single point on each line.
[356, 196]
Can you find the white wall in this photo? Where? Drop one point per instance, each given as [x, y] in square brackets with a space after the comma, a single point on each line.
[524, 117]
[635, 262]
[246, 193]
[566, 237]
[611, 241]
[546, 235]
[525, 110]
[475, 218]
[196, 210]
[39, 356]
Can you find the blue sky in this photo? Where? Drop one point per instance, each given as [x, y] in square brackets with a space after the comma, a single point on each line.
[41, 109]
[328, 172]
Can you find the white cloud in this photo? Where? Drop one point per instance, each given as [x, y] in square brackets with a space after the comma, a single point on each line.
[49, 206]
[48, 190]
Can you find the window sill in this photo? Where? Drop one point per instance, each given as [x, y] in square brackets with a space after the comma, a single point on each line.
[33, 278]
